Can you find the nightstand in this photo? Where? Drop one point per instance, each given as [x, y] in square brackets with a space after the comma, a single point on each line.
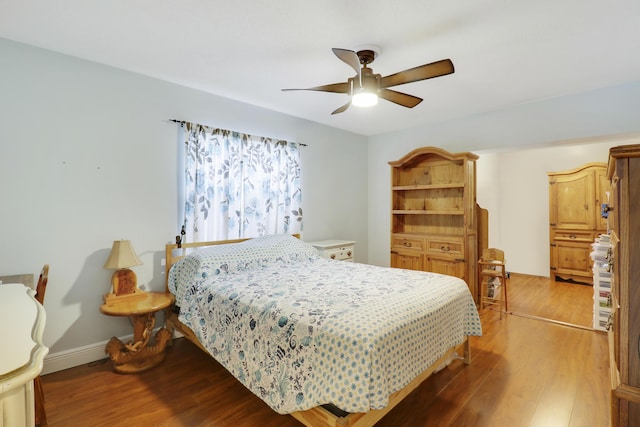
[138, 355]
[342, 250]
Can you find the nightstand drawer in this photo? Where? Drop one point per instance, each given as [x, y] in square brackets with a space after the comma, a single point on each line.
[342, 250]
[344, 253]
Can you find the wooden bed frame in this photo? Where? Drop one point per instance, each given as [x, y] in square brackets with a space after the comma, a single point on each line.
[318, 416]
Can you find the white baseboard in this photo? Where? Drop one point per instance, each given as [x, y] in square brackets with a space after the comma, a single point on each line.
[79, 356]
[75, 357]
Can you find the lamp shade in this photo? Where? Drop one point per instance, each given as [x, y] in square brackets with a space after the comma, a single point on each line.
[122, 256]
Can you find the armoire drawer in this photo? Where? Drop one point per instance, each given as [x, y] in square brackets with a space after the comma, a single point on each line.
[573, 236]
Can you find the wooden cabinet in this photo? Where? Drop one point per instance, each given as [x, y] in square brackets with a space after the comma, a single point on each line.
[575, 197]
[434, 222]
[624, 262]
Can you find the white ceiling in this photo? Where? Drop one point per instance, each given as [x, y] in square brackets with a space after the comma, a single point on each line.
[505, 52]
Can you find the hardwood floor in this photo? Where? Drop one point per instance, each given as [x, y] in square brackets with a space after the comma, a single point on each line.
[525, 372]
[539, 296]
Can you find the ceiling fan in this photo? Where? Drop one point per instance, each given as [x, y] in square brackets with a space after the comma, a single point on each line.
[365, 87]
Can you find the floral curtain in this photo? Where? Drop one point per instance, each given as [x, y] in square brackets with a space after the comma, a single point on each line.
[239, 185]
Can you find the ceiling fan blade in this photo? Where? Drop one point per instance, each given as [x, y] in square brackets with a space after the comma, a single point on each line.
[399, 98]
[335, 88]
[341, 109]
[350, 58]
[423, 72]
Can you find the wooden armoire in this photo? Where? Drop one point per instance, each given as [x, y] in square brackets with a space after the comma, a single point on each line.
[624, 263]
[575, 197]
[434, 216]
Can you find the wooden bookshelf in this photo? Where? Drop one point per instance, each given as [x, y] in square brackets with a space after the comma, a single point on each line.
[433, 213]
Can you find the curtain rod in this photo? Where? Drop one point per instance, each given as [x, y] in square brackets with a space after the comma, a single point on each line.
[182, 122]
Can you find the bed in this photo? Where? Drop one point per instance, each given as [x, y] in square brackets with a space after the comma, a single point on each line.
[329, 342]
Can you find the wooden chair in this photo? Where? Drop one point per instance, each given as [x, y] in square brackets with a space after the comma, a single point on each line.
[492, 277]
[40, 413]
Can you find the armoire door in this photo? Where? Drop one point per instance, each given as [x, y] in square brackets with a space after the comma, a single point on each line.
[571, 201]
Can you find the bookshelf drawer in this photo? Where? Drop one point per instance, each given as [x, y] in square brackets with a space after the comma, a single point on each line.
[407, 242]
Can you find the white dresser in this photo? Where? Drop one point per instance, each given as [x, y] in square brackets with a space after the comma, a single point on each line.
[343, 250]
[22, 321]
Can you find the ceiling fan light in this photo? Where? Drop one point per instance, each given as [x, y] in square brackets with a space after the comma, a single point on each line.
[364, 99]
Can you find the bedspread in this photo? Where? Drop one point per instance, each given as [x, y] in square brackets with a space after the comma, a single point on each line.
[316, 331]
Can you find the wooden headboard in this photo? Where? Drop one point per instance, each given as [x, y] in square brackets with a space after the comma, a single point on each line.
[175, 252]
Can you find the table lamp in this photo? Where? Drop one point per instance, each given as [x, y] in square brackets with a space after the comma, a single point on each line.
[124, 281]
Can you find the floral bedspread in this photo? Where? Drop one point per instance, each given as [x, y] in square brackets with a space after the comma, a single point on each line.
[299, 330]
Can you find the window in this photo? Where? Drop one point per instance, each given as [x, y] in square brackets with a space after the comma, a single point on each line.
[238, 185]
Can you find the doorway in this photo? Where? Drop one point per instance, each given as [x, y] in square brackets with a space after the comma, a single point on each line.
[513, 186]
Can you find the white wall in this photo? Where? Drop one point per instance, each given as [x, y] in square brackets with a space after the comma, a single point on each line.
[574, 129]
[87, 157]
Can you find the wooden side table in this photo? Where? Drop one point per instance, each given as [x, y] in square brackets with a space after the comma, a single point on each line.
[139, 355]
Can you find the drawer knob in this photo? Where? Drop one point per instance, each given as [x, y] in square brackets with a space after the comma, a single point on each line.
[407, 244]
[445, 248]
